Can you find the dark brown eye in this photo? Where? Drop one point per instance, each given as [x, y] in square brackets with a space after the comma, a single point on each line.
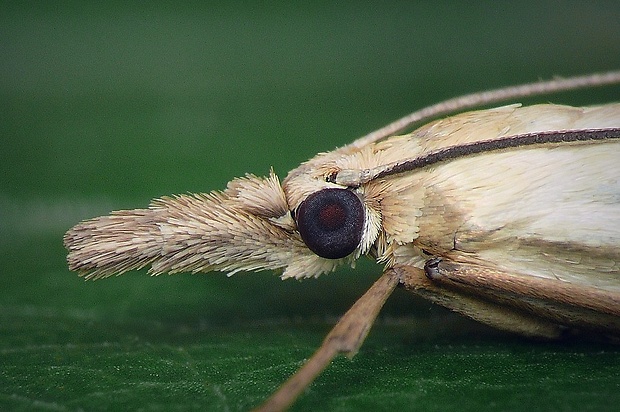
[331, 222]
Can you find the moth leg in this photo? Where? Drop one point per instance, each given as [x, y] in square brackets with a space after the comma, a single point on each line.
[562, 303]
[346, 337]
[471, 305]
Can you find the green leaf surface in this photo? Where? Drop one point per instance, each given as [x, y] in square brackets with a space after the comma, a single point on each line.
[107, 106]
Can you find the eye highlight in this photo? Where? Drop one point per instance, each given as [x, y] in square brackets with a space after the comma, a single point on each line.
[331, 222]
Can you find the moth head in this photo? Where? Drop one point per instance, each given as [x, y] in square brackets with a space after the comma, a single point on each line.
[334, 221]
[252, 225]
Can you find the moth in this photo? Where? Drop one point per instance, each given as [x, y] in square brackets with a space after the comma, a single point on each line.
[508, 215]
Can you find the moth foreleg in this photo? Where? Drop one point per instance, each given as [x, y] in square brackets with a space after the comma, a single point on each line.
[346, 337]
[563, 303]
[473, 306]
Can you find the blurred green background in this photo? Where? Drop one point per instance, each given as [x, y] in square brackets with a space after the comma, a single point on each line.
[107, 106]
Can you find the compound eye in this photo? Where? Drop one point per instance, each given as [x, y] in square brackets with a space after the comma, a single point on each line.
[331, 222]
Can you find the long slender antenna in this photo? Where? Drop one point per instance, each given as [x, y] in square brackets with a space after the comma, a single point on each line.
[469, 101]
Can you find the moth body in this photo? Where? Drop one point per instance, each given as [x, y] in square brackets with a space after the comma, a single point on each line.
[508, 215]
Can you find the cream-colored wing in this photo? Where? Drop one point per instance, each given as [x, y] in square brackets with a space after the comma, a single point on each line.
[547, 211]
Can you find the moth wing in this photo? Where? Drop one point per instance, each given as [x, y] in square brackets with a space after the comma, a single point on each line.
[549, 212]
[553, 213]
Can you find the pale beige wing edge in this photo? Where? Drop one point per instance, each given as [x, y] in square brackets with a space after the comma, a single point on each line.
[530, 306]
